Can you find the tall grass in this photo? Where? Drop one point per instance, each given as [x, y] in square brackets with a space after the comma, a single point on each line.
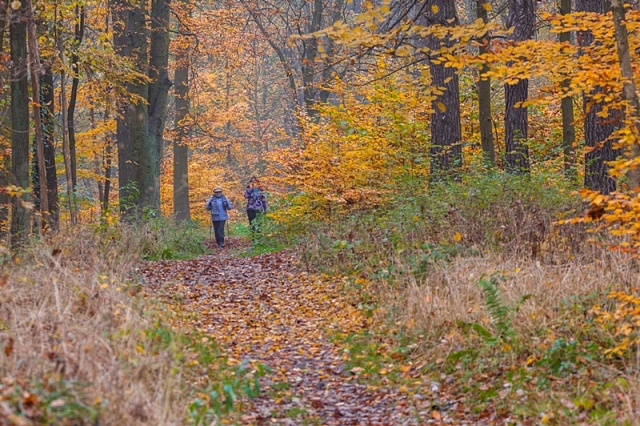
[493, 294]
[79, 343]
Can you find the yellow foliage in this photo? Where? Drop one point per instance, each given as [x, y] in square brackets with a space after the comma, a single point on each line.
[356, 154]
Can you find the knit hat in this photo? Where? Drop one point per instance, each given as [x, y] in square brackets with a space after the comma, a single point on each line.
[217, 189]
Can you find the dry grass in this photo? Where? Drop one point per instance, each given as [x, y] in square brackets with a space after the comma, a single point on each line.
[77, 340]
[450, 293]
[548, 303]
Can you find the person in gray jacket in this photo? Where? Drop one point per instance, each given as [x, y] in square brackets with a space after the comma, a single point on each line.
[219, 205]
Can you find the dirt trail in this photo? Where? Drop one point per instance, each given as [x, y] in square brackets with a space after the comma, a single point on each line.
[267, 310]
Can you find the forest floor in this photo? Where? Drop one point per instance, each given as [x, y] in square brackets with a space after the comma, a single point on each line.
[266, 310]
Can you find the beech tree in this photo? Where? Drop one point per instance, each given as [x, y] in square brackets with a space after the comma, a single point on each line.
[181, 207]
[20, 223]
[516, 122]
[597, 129]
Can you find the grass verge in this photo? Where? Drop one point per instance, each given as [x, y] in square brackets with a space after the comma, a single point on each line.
[83, 344]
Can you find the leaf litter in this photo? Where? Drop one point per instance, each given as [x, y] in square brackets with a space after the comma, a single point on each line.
[266, 310]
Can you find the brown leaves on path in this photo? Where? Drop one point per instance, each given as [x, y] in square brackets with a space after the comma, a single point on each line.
[264, 309]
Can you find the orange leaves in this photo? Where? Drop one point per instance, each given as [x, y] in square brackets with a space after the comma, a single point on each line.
[265, 310]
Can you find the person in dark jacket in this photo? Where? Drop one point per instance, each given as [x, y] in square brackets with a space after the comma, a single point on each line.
[219, 205]
[256, 200]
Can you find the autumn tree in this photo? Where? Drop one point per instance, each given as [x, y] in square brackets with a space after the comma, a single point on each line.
[568, 128]
[159, 84]
[279, 22]
[597, 129]
[5, 123]
[136, 154]
[446, 133]
[629, 87]
[181, 207]
[522, 20]
[20, 226]
[484, 89]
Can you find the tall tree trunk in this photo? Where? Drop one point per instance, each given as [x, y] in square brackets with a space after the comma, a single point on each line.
[159, 85]
[5, 121]
[181, 207]
[597, 130]
[66, 152]
[34, 67]
[522, 19]
[484, 92]
[136, 155]
[446, 131]
[48, 131]
[629, 86]
[19, 125]
[568, 129]
[75, 82]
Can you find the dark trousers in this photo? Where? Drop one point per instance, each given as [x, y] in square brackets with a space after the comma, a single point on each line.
[252, 214]
[218, 229]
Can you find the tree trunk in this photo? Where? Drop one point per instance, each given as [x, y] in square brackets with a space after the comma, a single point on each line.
[19, 126]
[34, 67]
[66, 152]
[136, 155]
[48, 130]
[181, 208]
[597, 130]
[629, 86]
[446, 131]
[327, 72]
[484, 93]
[310, 51]
[108, 154]
[5, 121]
[568, 129]
[75, 81]
[522, 19]
[159, 85]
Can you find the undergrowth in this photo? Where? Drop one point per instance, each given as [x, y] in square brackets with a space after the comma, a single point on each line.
[477, 291]
[83, 343]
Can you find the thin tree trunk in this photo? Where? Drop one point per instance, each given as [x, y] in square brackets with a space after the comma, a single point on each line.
[75, 81]
[522, 19]
[597, 130]
[568, 129]
[48, 126]
[66, 153]
[107, 173]
[159, 85]
[629, 86]
[19, 126]
[34, 66]
[484, 93]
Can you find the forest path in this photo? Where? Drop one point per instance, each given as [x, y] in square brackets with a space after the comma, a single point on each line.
[266, 309]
